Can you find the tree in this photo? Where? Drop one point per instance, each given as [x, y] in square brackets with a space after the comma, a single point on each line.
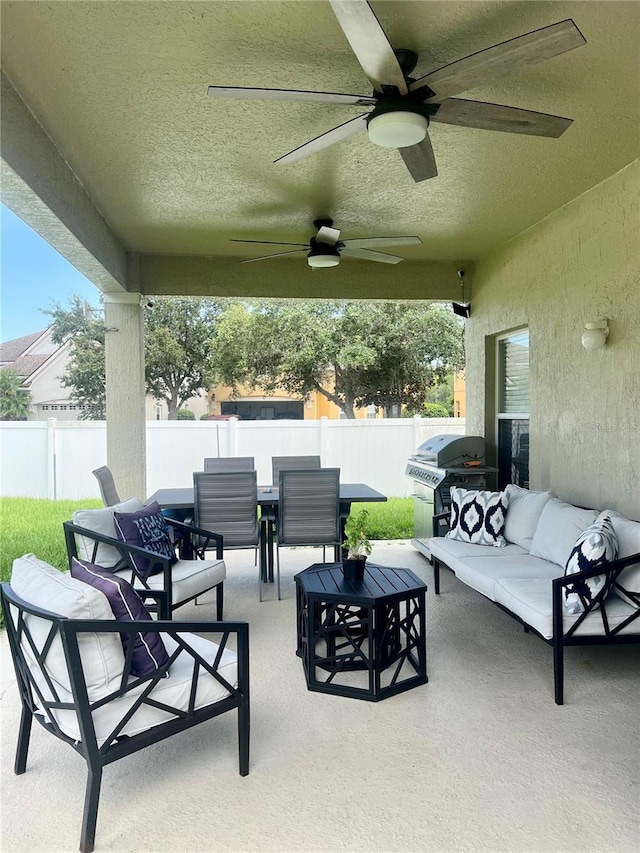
[354, 353]
[14, 400]
[178, 364]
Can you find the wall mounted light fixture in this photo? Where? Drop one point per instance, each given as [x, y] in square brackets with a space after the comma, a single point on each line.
[595, 334]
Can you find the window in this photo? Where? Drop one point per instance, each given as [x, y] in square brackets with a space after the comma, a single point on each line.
[513, 409]
[54, 408]
[63, 408]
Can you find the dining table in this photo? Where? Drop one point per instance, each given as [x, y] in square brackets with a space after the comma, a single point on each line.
[181, 498]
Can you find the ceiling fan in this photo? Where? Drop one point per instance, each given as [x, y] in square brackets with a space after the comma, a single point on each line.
[325, 248]
[403, 107]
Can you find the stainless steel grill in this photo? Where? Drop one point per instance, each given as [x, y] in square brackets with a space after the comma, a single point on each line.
[438, 464]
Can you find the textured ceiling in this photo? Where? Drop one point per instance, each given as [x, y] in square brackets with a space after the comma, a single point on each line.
[121, 89]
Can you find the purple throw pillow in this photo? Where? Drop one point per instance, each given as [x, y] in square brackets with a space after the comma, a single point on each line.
[149, 651]
[147, 529]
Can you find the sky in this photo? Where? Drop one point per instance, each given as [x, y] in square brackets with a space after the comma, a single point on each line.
[33, 276]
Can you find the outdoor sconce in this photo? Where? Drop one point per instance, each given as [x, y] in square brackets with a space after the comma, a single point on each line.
[595, 335]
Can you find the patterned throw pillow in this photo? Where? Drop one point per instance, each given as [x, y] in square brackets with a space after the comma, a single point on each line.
[147, 529]
[478, 517]
[597, 546]
[149, 651]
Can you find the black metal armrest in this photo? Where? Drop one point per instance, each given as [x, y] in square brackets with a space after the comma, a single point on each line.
[190, 533]
[439, 518]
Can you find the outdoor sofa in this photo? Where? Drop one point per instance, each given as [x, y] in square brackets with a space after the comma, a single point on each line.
[525, 571]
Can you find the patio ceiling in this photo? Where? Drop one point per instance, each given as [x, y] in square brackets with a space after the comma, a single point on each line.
[120, 89]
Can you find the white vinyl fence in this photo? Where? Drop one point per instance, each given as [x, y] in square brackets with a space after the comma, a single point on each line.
[54, 459]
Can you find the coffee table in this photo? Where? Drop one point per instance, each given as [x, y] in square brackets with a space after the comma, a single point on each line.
[362, 639]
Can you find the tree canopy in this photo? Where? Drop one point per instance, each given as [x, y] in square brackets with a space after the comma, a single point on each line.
[385, 354]
[14, 400]
[178, 343]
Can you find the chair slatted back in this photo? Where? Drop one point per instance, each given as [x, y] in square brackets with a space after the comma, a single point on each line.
[309, 507]
[287, 463]
[226, 502]
[108, 489]
[228, 463]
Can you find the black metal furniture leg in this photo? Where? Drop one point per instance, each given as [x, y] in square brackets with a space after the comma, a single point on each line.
[23, 741]
[219, 601]
[90, 816]
[436, 576]
[243, 738]
[558, 671]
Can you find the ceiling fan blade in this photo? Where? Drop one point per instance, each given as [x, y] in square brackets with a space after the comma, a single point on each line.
[367, 242]
[498, 117]
[277, 255]
[290, 95]
[327, 235]
[369, 43]
[368, 255]
[336, 134]
[269, 242]
[504, 58]
[420, 160]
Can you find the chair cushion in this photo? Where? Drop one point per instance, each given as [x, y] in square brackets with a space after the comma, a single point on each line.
[523, 513]
[149, 652]
[628, 533]
[188, 578]
[42, 585]
[147, 529]
[478, 516]
[559, 526]
[595, 547]
[101, 521]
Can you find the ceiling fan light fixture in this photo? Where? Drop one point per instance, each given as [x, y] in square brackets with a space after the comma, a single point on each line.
[317, 260]
[398, 129]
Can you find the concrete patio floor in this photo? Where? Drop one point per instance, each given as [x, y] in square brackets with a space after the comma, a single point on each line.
[480, 759]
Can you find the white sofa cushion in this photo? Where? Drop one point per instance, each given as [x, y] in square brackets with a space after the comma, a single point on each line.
[531, 600]
[449, 551]
[101, 521]
[482, 573]
[48, 588]
[188, 578]
[559, 526]
[628, 533]
[524, 509]
[174, 691]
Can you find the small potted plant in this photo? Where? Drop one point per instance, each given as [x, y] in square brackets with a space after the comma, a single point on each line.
[356, 546]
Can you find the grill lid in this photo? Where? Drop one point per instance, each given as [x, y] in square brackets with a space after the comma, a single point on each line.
[451, 451]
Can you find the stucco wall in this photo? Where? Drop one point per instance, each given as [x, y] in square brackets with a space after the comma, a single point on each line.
[581, 263]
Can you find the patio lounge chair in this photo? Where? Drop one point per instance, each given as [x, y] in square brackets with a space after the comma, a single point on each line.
[75, 679]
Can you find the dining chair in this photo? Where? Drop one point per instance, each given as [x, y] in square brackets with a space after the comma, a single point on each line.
[108, 489]
[298, 463]
[215, 464]
[308, 510]
[227, 502]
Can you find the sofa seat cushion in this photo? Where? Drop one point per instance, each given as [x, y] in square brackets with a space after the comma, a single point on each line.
[531, 600]
[188, 578]
[449, 551]
[524, 509]
[47, 588]
[101, 521]
[482, 573]
[174, 691]
[559, 526]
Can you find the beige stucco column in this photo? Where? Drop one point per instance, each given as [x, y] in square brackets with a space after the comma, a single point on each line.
[124, 355]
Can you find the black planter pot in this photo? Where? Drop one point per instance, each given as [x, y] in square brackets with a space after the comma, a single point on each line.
[353, 570]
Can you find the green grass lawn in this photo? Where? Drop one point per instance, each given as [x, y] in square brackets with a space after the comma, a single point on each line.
[35, 525]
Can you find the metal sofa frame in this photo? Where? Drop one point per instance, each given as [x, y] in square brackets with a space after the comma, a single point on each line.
[36, 705]
[560, 638]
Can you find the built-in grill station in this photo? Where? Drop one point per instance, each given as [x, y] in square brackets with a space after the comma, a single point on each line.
[439, 463]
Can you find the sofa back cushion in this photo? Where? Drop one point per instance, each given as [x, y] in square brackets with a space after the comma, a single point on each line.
[523, 513]
[628, 533]
[101, 521]
[49, 589]
[557, 530]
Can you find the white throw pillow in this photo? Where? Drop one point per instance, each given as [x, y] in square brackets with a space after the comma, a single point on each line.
[523, 513]
[101, 521]
[48, 588]
[477, 517]
[557, 530]
[596, 547]
[628, 533]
